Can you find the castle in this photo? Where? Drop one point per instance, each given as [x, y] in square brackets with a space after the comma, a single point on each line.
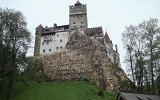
[50, 40]
[76, 52]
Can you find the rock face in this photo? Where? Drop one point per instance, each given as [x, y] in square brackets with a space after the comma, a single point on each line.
[85, 59]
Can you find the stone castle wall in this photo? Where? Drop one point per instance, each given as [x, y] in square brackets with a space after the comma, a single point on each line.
[85, 59]
[37, 41]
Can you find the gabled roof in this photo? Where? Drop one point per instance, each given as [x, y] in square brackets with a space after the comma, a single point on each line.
[134, 96]
[40, 26]
[107, 39]
[77, 3]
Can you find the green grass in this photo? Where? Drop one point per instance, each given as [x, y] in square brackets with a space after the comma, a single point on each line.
[58, 91]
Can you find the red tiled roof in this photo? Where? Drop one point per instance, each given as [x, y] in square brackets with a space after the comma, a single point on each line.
[48, 30]
[107, 39]
[77, 3]
[40, 26]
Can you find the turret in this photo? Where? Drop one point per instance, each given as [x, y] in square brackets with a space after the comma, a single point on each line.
[39, 31]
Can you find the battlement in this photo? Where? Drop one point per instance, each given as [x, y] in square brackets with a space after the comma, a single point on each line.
[93, 31]
[77, 8]
[80, 5]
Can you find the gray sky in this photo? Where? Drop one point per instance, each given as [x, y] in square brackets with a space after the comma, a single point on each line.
[112, 15]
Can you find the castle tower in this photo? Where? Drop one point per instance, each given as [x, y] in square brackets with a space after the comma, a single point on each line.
[78, 17]
[39, 31]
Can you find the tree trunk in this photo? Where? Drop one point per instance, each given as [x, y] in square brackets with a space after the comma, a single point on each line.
[151, 63]
[10, 86]
[13, 60]
[132, 67]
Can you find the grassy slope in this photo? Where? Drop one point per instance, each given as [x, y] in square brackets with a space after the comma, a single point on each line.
[58, 91]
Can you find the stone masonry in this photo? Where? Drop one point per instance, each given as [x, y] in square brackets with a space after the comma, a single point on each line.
[84, 59]
[86, 54]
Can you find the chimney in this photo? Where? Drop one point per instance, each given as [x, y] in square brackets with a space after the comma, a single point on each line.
[55, 25]
[116, 48]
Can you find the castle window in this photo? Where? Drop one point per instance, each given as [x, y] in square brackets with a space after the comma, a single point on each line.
[81, 26]
[60, 40]
[61, 47]
[49, 50]
[43, 50]
[43, 43]
[81, 16]
[47, 42]
[57, 48]
[46, 30]
[81, 22]
[57, 35]
[74, 22]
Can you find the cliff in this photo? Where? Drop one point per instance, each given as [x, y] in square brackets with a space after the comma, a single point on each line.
[85, 59]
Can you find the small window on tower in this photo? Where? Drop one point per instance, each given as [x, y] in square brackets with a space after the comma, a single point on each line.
[61, 47]
[81, 22]
[74, 22]
[81, 26]
[60, 40]
[49, 50]
[43, 50]
[57, 35]
[57, 48]
[81, 16]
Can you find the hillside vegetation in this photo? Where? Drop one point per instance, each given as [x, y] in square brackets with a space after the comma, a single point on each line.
[57, 91]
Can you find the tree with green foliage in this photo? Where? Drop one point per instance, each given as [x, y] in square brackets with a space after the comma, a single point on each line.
[151, 35]
[142, 44]
[129, 42]
[15, 40]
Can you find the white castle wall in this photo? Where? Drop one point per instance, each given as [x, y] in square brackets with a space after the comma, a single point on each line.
[53, 43]
[110, 53]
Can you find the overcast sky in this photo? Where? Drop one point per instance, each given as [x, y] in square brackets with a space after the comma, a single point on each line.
[112, 15]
